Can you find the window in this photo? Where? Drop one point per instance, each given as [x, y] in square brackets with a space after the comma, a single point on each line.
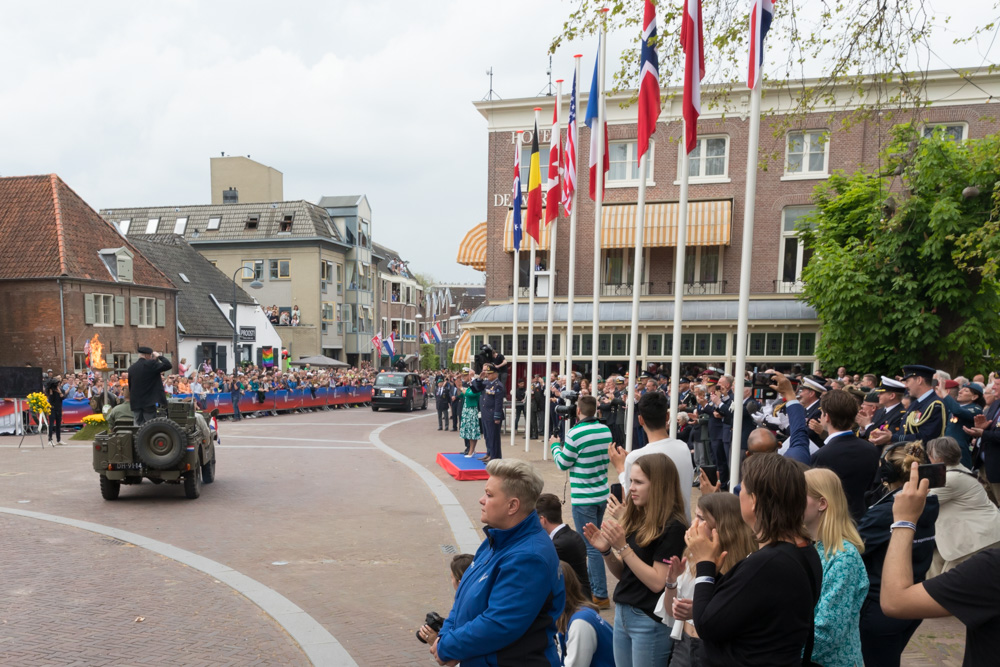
[253, 269]
[213, 222]
[340, 318]
[709, 159]
[385, 290]
[286, 223]
[806, 153]
[625, 165]
[543, 163]
[340, 279]
[952, 131]
[183, 277]
[618, 272]
[79, 362]
[279, 269]
[327, 311]
[104, 310]
[794, 255]
[123, 226]
[151, 225]
[180, 225]
[703, 270]
[147, 312]
[252, 221]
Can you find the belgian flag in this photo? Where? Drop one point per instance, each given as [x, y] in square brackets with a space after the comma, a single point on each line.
[534, 216]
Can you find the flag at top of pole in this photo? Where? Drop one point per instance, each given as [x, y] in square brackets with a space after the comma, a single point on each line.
[692, 41]
[553, 191]
[760, 22]
[596, 97]
[569, 155]
[534, 189]
[517, 193]
[649, 80]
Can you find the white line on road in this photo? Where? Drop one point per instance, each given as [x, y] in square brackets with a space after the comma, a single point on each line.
[366, 446]
[237, 436]
[316, 642]
[230, 425]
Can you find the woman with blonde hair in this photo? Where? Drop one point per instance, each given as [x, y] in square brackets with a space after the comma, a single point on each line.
[638, 552]
[721, 513]
[845, 580]
[585, 639]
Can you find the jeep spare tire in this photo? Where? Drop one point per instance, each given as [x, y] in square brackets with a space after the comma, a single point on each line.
[160, 443]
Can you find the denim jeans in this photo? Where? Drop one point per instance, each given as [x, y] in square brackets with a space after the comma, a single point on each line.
[582, 515]
[638, 639]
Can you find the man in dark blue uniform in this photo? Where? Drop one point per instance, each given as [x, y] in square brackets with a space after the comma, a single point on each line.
[889, 416]
[811, 389]
[491, 393]
[926, 417]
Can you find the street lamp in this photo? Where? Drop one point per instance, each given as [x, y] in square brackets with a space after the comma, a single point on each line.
[255, 284]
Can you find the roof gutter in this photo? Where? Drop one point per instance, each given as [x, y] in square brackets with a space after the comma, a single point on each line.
[62, 323]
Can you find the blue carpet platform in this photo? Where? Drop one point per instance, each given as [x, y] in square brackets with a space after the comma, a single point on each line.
[461, 468]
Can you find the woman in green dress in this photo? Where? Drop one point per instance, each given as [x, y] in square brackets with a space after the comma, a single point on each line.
[469, 425]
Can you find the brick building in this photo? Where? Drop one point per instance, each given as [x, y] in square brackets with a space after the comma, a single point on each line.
[68, 274]
[397, 302]
[797, 153]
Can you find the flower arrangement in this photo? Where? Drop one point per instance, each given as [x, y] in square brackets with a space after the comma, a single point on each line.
[39, 403]
[94, 420]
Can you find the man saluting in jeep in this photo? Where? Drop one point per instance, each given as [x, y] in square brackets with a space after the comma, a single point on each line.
[145, 384]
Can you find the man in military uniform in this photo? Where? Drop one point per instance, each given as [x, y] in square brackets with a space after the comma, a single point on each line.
[889, 416]
[811, 389]
[145, 383]
[926, 417]
[491, 393]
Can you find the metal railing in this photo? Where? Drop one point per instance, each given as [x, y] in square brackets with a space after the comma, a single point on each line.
[788, 286]
[697, 288]
[624, 289]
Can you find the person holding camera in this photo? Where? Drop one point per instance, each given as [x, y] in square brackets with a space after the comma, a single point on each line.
[585, 456]
[55, 392]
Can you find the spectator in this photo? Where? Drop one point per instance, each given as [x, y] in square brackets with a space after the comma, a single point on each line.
[845, 580]
[570, 547]
[459, 564]
[469, 426]
[443, 400]
[586, 639]
[963, 411]
[507, 603]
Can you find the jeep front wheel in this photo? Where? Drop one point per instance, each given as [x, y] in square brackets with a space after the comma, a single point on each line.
[160, 443]
[192, 483]
[110, 488]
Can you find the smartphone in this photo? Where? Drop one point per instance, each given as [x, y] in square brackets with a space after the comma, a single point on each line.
[935, 472]
[616, 491]
[712, 473]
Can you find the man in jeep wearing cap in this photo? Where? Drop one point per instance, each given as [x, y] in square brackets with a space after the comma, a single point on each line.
[145, 384]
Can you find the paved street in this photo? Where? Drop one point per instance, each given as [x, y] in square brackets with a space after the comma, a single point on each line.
[314, 506]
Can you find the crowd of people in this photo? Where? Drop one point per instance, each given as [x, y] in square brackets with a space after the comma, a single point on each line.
[283, 317]
[865, 504]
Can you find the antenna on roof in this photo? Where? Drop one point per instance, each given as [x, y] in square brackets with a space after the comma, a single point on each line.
[548, 90]
[489, 95]
[223, 153]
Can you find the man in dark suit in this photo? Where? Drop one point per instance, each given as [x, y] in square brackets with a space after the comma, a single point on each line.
[568, 543]
[926, 417]
[854, 460]
[443, 402]
[145, 384]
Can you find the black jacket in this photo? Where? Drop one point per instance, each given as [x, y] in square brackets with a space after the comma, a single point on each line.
[145, 383]
[856, 462]
[750, 408]
[572, 549]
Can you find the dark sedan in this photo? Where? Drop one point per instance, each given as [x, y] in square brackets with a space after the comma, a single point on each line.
[399, 390]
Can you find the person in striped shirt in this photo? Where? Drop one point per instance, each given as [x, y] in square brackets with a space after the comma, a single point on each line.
[585, 456]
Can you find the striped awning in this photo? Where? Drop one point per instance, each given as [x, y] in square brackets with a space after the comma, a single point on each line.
[709, 223]
[508, 234]
[463, 349]
[472, 249]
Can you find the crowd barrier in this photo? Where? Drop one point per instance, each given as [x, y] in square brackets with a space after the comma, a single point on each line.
[280, 401]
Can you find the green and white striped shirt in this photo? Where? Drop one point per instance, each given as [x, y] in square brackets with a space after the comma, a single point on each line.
[585, 456]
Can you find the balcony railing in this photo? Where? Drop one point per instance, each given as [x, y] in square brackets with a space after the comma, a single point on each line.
[523, 291]
[624, 289]
[788, 286]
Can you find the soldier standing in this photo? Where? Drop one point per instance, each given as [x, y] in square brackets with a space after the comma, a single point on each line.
[926, 417]
[145, 383]
[491, 393]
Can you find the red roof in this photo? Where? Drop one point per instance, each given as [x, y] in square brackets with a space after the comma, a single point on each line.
[47, 230]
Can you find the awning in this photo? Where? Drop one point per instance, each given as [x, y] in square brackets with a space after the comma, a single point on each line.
[463, 349]
[709, 224]
[472, 249]
[508, 234]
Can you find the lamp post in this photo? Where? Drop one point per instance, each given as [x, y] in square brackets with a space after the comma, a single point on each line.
[255, 284]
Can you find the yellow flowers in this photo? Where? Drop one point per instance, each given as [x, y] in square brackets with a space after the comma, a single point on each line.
[39, 403]
[96, 420]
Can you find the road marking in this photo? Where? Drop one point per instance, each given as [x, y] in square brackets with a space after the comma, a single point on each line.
[230, 425]
[221, 446]
[236, 436]
[316, 642]
[467, 537]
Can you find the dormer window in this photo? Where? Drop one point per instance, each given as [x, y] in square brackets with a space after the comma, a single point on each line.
[151, 225]
[123, 227]
[253, 221]
[119, 263]
[286, 223]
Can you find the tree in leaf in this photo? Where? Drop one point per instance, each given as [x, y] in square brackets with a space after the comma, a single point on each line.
[904, 262]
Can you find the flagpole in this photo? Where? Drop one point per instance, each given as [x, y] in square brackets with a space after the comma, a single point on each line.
[637, 267]
[675, 360]
[517, 288]
[571, 292]
[531, 322]
[598, 212]
[746, 257]
[552, 290]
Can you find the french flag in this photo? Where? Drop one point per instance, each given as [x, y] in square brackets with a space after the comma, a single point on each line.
[761, 15]
[436, 332]
[692, 41]
[596, 97]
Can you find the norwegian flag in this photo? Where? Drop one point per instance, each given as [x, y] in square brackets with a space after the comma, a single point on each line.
[517, 194]
[596, 97]
[569, 155]
[649, 81]
[436, 333]
[692, 41]
[377, 341]
[553, 190]
[761, 15]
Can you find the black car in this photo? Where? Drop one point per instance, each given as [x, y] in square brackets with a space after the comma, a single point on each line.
[394, 389]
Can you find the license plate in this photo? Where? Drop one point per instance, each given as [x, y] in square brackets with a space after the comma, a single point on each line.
[126, 466]
[388, 392]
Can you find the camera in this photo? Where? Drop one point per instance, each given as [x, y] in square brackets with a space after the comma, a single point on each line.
[760, 384]
[567, 404]
[485, 356]
[433, 621]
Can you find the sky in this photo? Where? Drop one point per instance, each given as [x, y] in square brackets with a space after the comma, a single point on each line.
[128, 101]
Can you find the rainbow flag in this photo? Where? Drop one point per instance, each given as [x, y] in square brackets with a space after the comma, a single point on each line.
[267, 357]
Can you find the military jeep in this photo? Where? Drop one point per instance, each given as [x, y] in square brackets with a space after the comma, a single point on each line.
[177, 447]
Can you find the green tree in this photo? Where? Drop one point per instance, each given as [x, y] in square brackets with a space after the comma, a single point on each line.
[900, 273]
[428, 360]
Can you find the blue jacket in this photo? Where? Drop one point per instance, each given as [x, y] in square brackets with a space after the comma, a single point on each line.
[506, 607]
[604, 655]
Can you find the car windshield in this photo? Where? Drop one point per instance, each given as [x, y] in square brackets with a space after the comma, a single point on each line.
[389, 380]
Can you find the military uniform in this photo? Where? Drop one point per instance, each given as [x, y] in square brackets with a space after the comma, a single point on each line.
[491, 400]
[926, 417]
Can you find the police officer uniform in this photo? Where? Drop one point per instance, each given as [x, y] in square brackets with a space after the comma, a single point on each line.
[491, 399]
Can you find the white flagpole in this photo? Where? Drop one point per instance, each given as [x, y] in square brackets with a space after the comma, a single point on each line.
[637, 267]
[746, 257]
[531, 314]
[675, 361]
[517, 287]
[571, 292]
[598, 212]
[552, 290]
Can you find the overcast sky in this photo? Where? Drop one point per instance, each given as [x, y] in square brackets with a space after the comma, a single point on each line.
[128, 101]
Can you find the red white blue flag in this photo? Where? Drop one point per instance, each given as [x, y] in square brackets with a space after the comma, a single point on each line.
[389, 344]
[649, 80]
[377, 342]
[596, 98]
[692, 41]
[552, 191]
[517, 193]
[425, 337]
[761, 15]
[569, 155]
[436, 333]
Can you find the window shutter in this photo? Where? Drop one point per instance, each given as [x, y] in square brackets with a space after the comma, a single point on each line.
[88, 308]
[133, 307]
[119, 310]
[161, 312]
